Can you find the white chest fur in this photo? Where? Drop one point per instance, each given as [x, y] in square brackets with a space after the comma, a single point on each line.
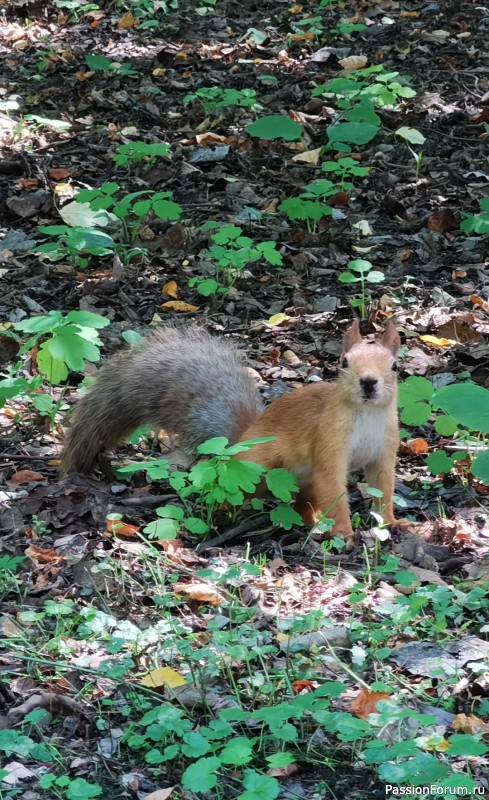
[368, 436]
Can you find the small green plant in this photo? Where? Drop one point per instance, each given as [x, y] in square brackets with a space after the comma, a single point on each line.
[383, 88]
[67, 341]
[231, 253]
[216, 97]
[132, 153]
[8, 567]
[477, 223]
[347, 28]
[15, 386]
[361, 271]
[312, 26]
[131, 208]
[413, 136]
[345, 167]
[36, 122]
[307, 205]
[65, 787]
[356, 96]
[74, 243]
[275, 126]
[465, 408]
[98, 63]
[150, 12]
[75, 9]
[219, 480]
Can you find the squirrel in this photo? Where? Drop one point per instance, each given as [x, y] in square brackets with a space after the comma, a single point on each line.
[198, 387]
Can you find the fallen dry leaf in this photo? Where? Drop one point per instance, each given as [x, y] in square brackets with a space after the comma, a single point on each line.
[459, 330]
[478, 301]
[128, 20]
[443, 221]
[417, 446]
[24, 476]
[163, 676]
[436, 341]
[353, 62]
[469, 723]
[199, 591]
[58, 174]
[119, 528]
[283, 772]
[308, 156]
[43, 556]
[300, 685]
[178, 305]
[277, 319]
[160, 794]
[366, 701]
[171, 289]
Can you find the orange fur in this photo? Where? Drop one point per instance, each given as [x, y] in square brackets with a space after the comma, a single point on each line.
[325, 430]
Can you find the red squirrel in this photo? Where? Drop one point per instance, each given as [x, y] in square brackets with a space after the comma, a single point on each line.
[197, 387]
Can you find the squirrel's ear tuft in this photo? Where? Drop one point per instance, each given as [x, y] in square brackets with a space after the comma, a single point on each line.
[352, 336]
[390, 338]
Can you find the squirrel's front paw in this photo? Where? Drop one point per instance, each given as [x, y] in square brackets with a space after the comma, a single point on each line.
[344, 531]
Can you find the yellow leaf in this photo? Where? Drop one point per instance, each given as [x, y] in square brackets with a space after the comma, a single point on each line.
[171, 289]
[435, 341]
[128, 20]
[158, 72]
[63, 188]
[353, 62]
[277, 319]
[163, 676]
[309, 156]
[412, 14]
[433, 743]
[178, 305]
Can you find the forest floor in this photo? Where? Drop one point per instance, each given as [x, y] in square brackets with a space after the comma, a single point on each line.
[252, 666]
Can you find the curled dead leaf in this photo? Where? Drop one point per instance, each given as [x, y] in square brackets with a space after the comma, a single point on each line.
[478, 301]
[299, 685]
[199, 591]
[469, 723]
[120, 528]
[24, 476]
[365, 702]
[162, 794]
[443, 221]
[308, 156]
[283, 772]
[43, 556]
[417, 446]
[353, 62]
[128, 20]
[178, 305]
[171, 289]
[58, 174]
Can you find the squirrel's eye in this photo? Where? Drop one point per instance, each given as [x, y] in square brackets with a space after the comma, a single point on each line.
[344, 363]
[394, 367]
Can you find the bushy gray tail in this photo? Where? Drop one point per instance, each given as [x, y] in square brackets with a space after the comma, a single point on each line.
[185, 382]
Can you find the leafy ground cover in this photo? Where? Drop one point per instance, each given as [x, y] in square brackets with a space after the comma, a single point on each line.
[266, 170]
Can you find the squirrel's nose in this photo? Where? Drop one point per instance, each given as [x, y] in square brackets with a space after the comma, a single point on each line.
[368, 385]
